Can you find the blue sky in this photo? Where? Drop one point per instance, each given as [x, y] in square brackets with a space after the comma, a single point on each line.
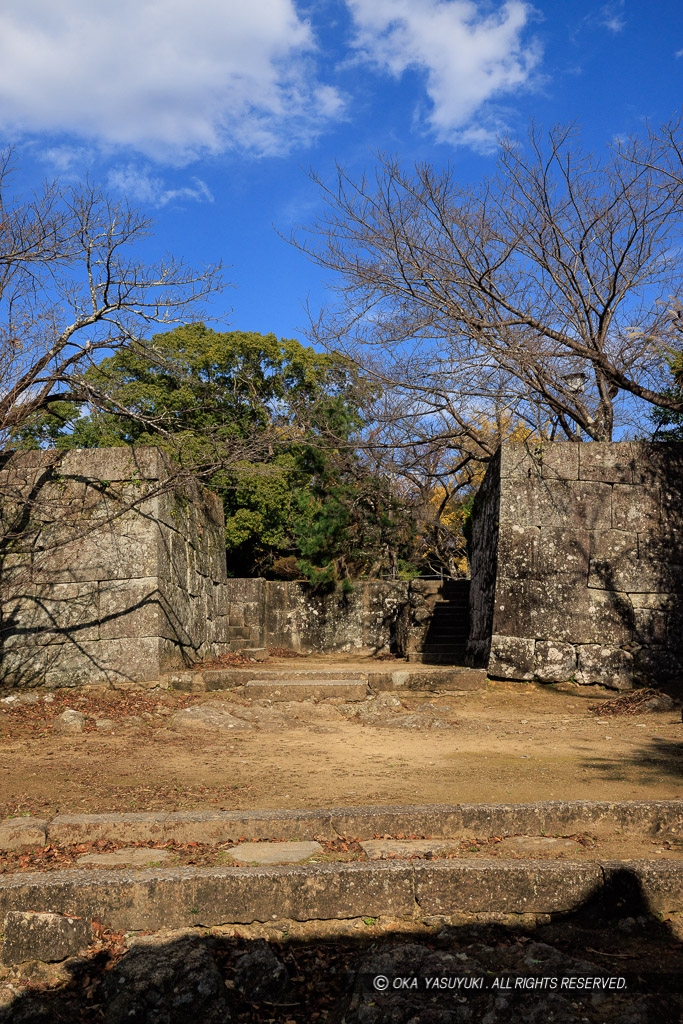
[207, 115]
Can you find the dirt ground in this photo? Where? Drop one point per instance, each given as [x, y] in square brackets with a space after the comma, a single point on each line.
[510, 743]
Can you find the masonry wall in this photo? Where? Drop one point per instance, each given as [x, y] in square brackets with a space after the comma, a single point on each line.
[107, 573]
[584, 545]
[293, 616]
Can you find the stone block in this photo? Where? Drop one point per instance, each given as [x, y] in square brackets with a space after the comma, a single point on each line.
[610, 666]
[655, 665]
[129, 659]
[612, 462]
[658, 464]
[18, 832]
[559, 460]
[144, 463]
[561, 609]
[560, 551]
[529, 460]
[649, 626]
[517, 550]
[664, 544]
[325, 892]
[554, 662]
[563, 504]
[636, 508]
[504, 887]
[511, 657]
[279, 690]
[136, 608]
[518, 461]
[658, 884]
[123, 549]
[43, 936]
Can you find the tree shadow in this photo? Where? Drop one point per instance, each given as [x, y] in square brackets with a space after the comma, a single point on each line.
[661, 757]
[217, 977]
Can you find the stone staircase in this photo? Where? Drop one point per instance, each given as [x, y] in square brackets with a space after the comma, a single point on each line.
[446, 638]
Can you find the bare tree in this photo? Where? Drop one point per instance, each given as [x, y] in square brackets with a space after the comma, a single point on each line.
[543, 294]
[71, 286]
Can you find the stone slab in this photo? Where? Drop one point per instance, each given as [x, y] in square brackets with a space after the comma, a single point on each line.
[43, 936]
[135, 857]
[378, 849]
[230, 826]
[276, 690]
[18, 832]
[557, 817]
[504, 887]
[151, 899]
[274, 853]
[537, 844]
[155, 898]
[83, 828]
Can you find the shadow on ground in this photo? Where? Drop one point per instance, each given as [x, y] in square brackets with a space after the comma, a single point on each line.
[610, 962]
[664, 758]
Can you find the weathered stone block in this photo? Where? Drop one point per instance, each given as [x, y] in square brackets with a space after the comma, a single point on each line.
[529, 460]
[610, 463]
[564, 504]
[664, 544]
[144, 463]
[559, 461]
[610, 666]
[511, 657]
[654, 665]
[554, 662]
[43, 936]
[18, 832]
[449, 887]
[133, 608]
[636, 508]
[562, 551]
[559, 608]
[649, 626]
[517, 550]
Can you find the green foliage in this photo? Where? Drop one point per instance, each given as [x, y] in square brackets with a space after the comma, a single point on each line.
[668, 424]
[277, 423]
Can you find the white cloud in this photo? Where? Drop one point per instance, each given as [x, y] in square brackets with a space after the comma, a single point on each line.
[168, 78]
[469, 57]
[140, 184]
[612, 17]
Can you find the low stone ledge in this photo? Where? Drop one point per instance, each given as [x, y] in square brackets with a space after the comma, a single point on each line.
[305, 689]
[130, 827]
[504, 887]
[148, 900]
[658, 884]
[635, 817]
[226, 826]
[153, 899]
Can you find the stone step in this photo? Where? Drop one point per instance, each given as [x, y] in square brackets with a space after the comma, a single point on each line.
[456, 658]
[299, 689]
[443, 648]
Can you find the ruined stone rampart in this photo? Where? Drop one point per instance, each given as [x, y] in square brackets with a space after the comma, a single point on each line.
[294, 616]
[577, 563]
[109, 571]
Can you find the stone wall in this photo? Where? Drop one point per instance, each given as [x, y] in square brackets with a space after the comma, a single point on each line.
[294, 616]
[107, 572]
[583, 545]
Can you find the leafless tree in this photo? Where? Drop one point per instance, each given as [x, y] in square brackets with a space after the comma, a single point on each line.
[71, 285]
[542, 295]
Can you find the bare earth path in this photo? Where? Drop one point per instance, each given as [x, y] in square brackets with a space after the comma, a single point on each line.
[510, 743]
